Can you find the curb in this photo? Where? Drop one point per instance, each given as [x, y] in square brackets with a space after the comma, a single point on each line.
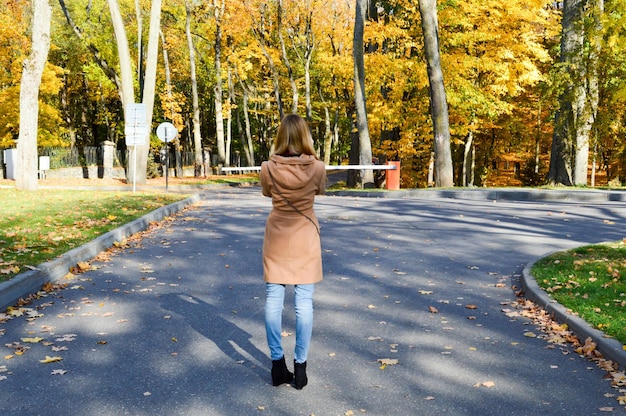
[609, 347]
[32, 281]
[504, 194]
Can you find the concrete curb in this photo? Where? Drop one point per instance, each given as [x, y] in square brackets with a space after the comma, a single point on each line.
[504, 194]
[609, 347]
[32, 280]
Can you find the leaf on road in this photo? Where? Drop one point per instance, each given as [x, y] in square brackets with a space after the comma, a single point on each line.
[58, 372]
[432, 309]
[49, 359]
[32, 340]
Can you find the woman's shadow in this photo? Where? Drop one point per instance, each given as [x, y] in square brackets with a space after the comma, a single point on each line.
[206, 319]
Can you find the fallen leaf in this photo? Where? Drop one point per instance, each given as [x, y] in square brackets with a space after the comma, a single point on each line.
[432, 309]
[58, 372]
[32, 340]
[49, 359]
[488, 384]
[388, 361]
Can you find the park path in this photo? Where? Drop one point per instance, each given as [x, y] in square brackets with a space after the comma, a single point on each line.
[172, 324]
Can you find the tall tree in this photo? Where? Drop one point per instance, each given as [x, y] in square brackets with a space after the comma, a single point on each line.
[438, 103]
[27, 172]
[365, 145]
[580, 47]
[149, 85]
[197, 132]
[218, 10]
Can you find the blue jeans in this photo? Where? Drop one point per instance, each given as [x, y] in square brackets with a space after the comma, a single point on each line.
[274, 304]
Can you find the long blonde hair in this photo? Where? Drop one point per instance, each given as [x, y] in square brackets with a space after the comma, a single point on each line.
[294, 137]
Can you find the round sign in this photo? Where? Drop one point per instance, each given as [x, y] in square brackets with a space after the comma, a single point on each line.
[166, 132]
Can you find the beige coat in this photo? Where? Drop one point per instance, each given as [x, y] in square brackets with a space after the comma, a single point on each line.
[292, 251]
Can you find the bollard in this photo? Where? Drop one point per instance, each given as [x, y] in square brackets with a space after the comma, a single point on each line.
[393, 177]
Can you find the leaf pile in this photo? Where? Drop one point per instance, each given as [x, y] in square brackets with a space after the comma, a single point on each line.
[559, 336]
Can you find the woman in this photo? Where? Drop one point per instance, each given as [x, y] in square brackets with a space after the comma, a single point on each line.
[292, 252]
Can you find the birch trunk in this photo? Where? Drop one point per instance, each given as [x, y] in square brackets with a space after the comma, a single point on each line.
[218, 10]
[27, 168]
[197, 133]
[149, 87]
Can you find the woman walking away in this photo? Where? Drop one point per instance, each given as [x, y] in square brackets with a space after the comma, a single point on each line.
[292, 253]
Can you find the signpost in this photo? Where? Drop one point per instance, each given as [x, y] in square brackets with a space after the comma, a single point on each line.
[136, 131]
[166, 132]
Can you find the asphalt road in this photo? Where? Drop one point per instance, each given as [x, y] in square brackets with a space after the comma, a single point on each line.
[173, 323]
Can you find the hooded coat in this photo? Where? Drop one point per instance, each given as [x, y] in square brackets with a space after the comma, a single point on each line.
[292, 252]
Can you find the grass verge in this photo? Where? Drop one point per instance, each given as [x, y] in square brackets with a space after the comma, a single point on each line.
[591, 282]
[38, 226]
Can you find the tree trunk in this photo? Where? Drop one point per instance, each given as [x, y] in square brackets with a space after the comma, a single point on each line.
[140, 55]
[218, 10]
[149, 88]
[327, 131]
[127, 89]
[249, 146]
[438, 102]
[580, 47]
[197, 133]
[365, 145]
[229, 117]
[259, 30]
[468, 161]
[283, 50]
[27, 169]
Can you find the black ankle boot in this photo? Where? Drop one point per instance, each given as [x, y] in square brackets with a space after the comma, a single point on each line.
[300, 379]
[280, 373]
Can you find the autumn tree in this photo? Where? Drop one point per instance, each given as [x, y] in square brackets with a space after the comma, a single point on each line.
[580, 47]
[439, 104]
[27, 168]
[610, 147]
[364, 143]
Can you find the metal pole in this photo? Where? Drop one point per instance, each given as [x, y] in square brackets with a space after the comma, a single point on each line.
[167, 161]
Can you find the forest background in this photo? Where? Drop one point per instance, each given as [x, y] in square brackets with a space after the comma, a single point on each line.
[229, 69]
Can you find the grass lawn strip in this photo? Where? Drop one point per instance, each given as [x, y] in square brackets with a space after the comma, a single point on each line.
[36, 227]
[591, 282]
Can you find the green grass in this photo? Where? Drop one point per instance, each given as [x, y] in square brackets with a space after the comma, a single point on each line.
[591, 282]
[38, 226]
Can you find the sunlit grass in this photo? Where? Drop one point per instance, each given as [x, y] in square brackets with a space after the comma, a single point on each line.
[38, 226]
[591, 282]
